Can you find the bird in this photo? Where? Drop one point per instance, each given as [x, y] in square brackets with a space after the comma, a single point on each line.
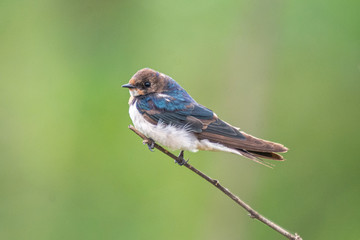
[165, 113]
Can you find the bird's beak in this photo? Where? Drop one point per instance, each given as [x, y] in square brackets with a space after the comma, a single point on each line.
[128, 86]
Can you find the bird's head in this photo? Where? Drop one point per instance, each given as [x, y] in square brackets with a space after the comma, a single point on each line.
[147, 81]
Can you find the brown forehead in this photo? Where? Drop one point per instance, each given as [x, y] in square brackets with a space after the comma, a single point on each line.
[146, 75]
[158, 80]
[132, 81]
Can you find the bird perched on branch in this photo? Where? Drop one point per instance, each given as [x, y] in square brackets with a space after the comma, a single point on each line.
[163, 111]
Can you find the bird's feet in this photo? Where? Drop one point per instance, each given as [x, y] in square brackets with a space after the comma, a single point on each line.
[181, 161]
[150, 143]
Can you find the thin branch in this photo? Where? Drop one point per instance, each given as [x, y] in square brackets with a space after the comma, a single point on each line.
[252, 212]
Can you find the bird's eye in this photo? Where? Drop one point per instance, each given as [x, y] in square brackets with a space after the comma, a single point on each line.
[147, 84]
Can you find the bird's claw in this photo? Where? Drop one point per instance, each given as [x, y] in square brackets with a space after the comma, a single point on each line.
[181, 161]
[150, 143]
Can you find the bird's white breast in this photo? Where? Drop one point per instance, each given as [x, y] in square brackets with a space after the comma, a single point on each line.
[167, 135]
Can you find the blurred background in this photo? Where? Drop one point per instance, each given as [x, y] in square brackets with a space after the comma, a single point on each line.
[286, 71]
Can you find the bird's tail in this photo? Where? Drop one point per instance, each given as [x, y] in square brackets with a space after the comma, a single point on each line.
[257, 156]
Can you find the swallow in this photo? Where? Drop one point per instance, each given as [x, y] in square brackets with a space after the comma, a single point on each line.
[164, 112]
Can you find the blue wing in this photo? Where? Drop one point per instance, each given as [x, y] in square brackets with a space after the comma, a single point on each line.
[182, 111]
[179, 110]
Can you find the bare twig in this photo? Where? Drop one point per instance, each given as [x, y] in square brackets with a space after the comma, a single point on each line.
[252, 212]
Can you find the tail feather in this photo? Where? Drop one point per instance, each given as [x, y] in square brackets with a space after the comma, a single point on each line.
[267, 155]
[258, 145]
[255, 158]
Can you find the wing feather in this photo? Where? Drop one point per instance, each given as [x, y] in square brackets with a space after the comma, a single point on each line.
[229, 136]
[187, 114]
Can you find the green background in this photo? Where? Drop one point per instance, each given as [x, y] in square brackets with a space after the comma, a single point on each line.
[287, 71]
